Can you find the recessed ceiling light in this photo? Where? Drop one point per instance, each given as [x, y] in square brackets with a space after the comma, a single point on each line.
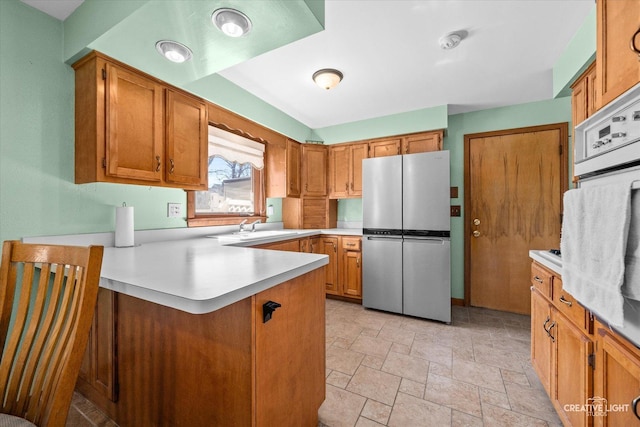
[174, 51]
[231, 22]
[327, 78]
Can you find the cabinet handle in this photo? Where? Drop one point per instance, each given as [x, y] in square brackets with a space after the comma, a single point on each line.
[267, 310]
[544, 326]
[633, 43]
[358, 262]
[551, 326]
[352, 186]
[172, 165]
[346, 186]
[634, 405]
[158, 164]
[564, 301]
[537, 279]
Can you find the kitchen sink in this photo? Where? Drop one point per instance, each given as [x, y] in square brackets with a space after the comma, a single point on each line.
[253, 235]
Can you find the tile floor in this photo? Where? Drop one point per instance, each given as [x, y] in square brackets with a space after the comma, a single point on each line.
[390, 370]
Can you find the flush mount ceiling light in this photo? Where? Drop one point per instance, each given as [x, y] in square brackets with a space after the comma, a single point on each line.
[231, 22]
[450, 40]
[174, 51]
[327, 78]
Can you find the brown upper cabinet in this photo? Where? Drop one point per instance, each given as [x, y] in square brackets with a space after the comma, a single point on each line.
[421, 143]
[385, 147]
[406, 144]
[345, 169]
[133, 129]
[618, 29]
[583, 95]
[283, 169]
[314, 170]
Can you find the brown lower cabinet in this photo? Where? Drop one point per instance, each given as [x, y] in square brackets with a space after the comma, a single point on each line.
[224, 368]
[343, 274]
[591, 373]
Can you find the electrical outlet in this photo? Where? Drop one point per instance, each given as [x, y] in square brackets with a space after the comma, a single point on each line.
[174, 210]
[455, 210]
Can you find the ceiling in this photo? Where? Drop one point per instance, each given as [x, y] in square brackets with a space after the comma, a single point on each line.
[387, 50]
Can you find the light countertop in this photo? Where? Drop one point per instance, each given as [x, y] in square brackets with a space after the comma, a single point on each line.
[190, 272]
[549, 260]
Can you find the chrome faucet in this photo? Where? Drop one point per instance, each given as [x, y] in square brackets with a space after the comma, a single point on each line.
[242, 225]
[253, 224]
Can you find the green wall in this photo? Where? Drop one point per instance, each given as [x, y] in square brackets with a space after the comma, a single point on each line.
[37, 193]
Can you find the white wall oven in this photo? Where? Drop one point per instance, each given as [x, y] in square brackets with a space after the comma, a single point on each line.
[607, 151]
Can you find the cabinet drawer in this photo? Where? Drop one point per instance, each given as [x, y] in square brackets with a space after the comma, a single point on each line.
[351, 243]
[567, 305]
[541, 279]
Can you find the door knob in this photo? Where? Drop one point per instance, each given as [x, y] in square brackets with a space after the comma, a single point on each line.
[476, 233]
[476, 221]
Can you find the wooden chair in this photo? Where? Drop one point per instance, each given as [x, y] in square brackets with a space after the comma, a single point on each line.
[47, 301]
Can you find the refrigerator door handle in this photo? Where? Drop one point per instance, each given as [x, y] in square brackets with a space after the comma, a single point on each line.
[426, 239]
[384, 238]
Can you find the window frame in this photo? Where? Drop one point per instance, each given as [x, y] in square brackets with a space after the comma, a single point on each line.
[259, 198]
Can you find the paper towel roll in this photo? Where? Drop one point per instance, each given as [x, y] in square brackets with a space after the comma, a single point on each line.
[124, 226]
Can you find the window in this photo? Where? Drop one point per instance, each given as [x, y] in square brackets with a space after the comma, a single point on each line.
[235, 181]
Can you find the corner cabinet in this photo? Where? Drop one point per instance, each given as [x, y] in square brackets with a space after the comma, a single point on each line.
[134, 129]
[283, 165]
[618, 30]
[314, 170]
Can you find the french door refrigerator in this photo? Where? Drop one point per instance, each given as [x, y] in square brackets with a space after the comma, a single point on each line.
[406, 246]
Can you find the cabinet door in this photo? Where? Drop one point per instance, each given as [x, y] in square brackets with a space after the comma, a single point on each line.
[572, 378]
[579, 101]
[359, 152]
[352, 281]
[99, 367]
[329, 246]
[289, 360]
[134, 126]
[617, 379]
[422, 143]
[293, 168]
[618, 65]
[186, 143]
[339, 163]
[540, 340]
[384, 147]
[314, 170]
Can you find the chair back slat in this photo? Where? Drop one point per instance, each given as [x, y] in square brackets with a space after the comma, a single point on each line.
[53, 290]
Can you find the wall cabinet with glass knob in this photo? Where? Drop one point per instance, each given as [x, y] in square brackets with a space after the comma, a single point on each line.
[134, 129]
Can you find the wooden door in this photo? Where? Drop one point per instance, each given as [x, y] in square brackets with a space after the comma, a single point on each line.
[384, 147]
[359, 152]
[618, 66]
[134, 126]
[314, 170]
[293, 168]
[422, 143]
[339, 159]
[514, 182]
[187, 141]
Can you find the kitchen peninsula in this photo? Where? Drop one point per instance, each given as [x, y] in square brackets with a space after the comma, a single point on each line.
[191, 344]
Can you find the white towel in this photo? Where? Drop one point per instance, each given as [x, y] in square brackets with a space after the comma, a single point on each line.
[595, 227]
[631, 286]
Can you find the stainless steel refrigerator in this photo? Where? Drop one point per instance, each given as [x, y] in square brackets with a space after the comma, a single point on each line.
[406, 251]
